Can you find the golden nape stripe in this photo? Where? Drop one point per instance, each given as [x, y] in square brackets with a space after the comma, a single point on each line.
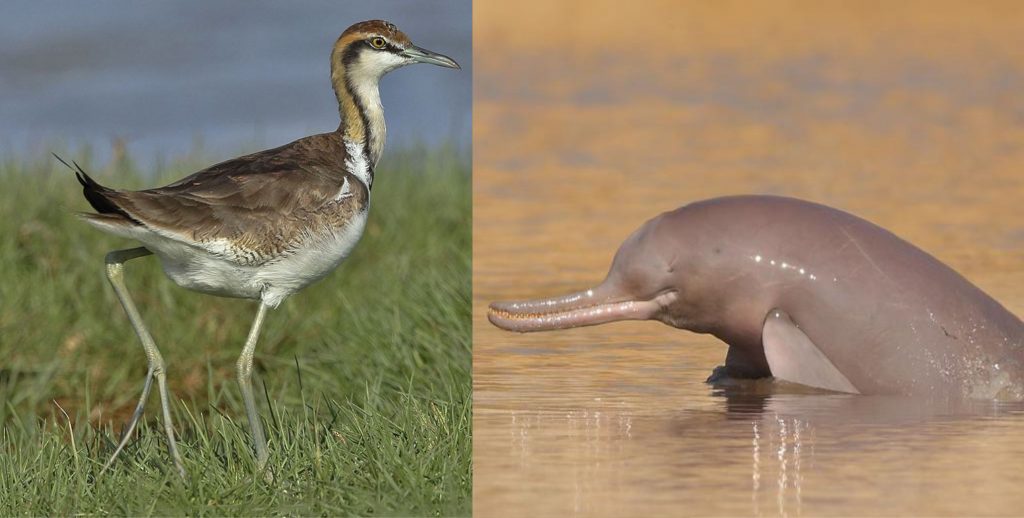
[357, 115]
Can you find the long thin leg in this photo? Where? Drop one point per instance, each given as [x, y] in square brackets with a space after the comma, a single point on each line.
[127, 434]
[245, 382]
[115, 273]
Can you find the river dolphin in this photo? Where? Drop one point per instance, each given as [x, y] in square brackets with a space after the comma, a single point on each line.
[803, 292]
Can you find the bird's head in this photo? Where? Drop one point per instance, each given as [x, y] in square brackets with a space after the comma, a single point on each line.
[370, 49]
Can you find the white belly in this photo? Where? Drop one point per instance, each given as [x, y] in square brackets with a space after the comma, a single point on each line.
[310, 263]
[270, 282]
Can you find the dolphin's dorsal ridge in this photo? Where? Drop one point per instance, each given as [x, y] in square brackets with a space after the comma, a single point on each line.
[793, 357]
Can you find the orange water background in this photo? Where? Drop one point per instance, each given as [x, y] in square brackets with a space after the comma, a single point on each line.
[592, 117]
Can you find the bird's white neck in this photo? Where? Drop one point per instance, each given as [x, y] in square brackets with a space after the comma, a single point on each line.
[356, 161]
[362, 116]
[367, 94]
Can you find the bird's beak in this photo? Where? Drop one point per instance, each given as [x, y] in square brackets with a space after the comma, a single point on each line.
[422, 55]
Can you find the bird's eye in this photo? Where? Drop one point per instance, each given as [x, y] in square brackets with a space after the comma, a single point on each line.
[378, 43]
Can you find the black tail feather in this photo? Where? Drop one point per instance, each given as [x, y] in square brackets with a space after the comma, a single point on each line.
[95, 193]
[80, 174]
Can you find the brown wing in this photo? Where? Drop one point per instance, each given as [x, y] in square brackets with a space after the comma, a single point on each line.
[264, 202]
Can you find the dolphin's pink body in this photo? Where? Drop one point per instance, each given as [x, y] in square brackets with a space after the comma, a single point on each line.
[808, 293]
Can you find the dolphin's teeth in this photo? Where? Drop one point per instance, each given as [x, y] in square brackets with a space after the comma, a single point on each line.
[509, 315]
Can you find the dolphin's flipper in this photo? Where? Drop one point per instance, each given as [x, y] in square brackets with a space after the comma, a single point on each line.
[792, 356]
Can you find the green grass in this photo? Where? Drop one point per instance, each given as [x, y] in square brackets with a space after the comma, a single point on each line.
[366, 373]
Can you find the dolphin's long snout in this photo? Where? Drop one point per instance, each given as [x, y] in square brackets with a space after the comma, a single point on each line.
[584, 308]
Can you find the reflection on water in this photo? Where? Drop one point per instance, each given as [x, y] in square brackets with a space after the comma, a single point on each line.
[771, 454]
[912, 118]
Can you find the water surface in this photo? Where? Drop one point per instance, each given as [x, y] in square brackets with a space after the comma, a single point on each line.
[600, 118]
[162, 78]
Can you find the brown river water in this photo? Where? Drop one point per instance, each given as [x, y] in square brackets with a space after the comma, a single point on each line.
[590, 118]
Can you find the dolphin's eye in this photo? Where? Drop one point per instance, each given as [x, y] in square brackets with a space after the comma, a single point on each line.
[378, 43]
